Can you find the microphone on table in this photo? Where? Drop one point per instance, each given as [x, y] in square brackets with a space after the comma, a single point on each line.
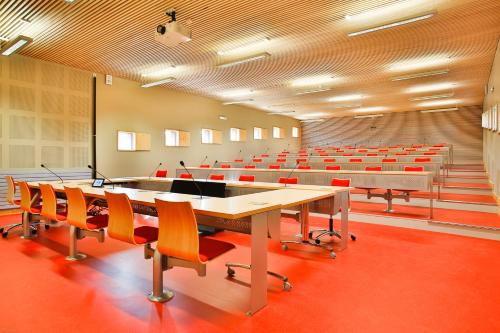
[239, 153]
[151, 174]
[52, 172]
[194, 181]
[208, 174]
[203, 160]
[291, 172]
[100, 174]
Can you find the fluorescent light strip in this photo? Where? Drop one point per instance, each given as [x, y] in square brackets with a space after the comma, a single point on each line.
[440, 102]
[244, 47]
[344, 98]
[424, 98]
[236, 93]
[244, 60]
[280, 113]
[156, 83]
[15, 45]
[369, 116]
[391, 25]
[161, 72]
[238, 102]
[312, 91]
[419, 75]
[431, 87]
[312, 120]
[439, 110]
[313, 80]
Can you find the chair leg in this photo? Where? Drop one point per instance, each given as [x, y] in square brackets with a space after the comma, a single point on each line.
[231, 272]
[160, 264]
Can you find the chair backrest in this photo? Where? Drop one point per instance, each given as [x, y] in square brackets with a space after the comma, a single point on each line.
[340, 182]
[264, 155]
[301, 160]
[11, 189]
[274, 166]
[205, 166]
[402, 154]
[185, 176]
[257, 160]
[323, 154]
[355, 160]
[347, 154]
[216, 177]
[251, 166]
[26, 196]
[161, 173]
[389, 160]
[430, 153]
[121, 217]
[423, 159]
[225, 166]
[281, 160]
[178, 231]
[329, 160]
[415, 168]
[77, 207]
[281, 155]
[49, 207]
[304, 167]
[362, 150]
[238, 160]
[284, 180]
[373, 168]
[333, 167]
[246, 178]
[372, 154]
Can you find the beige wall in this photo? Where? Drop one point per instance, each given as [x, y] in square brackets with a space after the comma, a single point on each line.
[461, 128]
[127, 106]
[492, 139]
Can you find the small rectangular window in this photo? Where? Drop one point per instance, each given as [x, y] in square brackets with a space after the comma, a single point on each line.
[126, 141]
[234, 134]
[257, 133]
[172, 138]
[278, 133]
[207, 135]
[295, 132]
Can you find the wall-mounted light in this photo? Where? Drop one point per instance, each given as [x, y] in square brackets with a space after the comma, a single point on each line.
[222, 117]
[15, 45]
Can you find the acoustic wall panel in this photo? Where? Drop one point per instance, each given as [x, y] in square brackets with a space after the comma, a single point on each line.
[21, 156]
[52, 102]
[79, 81]
[22, 127]
[53, 157]
[22, 98]
[52, 129]
[53, 75]
[79, 106]
[79, 131]
[78, 157]
[22, 69]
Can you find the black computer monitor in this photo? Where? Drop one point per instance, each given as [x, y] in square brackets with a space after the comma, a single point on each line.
[209, 189]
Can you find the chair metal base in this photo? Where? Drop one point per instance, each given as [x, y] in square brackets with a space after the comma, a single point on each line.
[284, 246]
[231, 273]
[76, 257]
[164, 297]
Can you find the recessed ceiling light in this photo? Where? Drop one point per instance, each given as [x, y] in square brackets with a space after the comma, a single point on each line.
[312, 120]
[369, 116]
[424, 98]
[15, 45]
[70, 1]
[344, 98]
[156, 83]
[439, 110]
[246, 47]
[370, 109]
[440, 102]
[313, 80]
[419, 63]
[166, 70]
[222, 117]
[312, 91]
[237, 93]
[240, 61]
[395, 8]
[239, 102]
[431, 87]
[420, 75]
[391, 25]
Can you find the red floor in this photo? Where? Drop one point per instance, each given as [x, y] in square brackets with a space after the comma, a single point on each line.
[473, 198]
[389, 280]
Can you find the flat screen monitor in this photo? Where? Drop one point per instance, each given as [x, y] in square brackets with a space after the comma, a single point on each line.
[209, 189]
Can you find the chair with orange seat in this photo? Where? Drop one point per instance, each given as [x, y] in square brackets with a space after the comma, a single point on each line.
[290, 181]
[373, 168]
[413, 168]
[274, 166]
[301, 160]
[238, 160]
[11, 194]
[329, 160]
[281, 160]
[372, 154]
[121, 224]
[355, 160]
[179, 244]
[257, 160]
[333, 167]
[304, 167]
[225, 166]
[389, 160]
[216, 177]
[246, 178]
[250, 166]
[81, 224]
[422, 159]
[185, 176]
[205, 166]
[161, 173]
[51, 210]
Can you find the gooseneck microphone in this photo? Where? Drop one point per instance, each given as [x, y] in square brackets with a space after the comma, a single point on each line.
[52, 172]
[100, 174]
[208, 174]
[291, 172]
[203, 161]
[151, 174]
[194, 181]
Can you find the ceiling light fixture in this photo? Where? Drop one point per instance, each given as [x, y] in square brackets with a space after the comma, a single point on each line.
[424, 98]
[439, 110]
[240, 61]
[237, 93]
[166, 70]
[15, 45]
[343, 98]
[222, 117]
[280, 112]
[440, 102]
[25, 20]
[343, 106]
[369, 116]
[5, 39]
[391, 25]
[420, 75]
[419, 63]
[313, 91]
[239, 102]
[370, 109]
[246, 47]
[313, 80]
[396, 8]
[431, 87]
[156, 83]
[312, 120]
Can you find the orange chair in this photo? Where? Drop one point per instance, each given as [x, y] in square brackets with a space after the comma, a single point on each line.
[373, 168]
[216, 177]
[281, 155]
[225, 166]
[362, 150]
[264, 155]
[402, 154]
[422, 159]
[389, 160]
[179, 244]
[346, 154]
[371, 154]
[304, 167]
[323, 154]
[11, 193]
[161, 173]
[284, 180]
[185, 176]
[430, 153]
[257, 160]
[205, 166]
[383, 150]
[246, 178]
[51, 210]
[281, 160]
[355, 160]
[340, 182]
[81, 224]
[413, 169]
[301, 160]
[274, 166]
[238, 161]
[122, 220]
[249, 166]
[333, 167]
[329, 160]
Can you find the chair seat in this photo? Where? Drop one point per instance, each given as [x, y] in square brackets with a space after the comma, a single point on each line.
[17, 202]
[97, 222]
[145, 234]
[37, 209]
[212, 248]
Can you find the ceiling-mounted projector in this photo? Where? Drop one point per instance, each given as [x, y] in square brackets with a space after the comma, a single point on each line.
[172, 33]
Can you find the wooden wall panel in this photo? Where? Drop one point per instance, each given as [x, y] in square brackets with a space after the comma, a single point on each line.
[461, 128]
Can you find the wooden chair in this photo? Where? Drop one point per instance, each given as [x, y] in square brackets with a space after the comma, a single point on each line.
[81, 224]
[180, 245]
[121, 224]
[51, 210]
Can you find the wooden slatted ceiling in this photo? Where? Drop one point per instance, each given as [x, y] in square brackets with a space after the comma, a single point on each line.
[308, 38]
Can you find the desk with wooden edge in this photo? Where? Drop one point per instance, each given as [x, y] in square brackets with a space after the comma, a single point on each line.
[263, 209]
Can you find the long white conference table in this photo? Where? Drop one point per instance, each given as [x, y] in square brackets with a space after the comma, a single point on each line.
[261, 210]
